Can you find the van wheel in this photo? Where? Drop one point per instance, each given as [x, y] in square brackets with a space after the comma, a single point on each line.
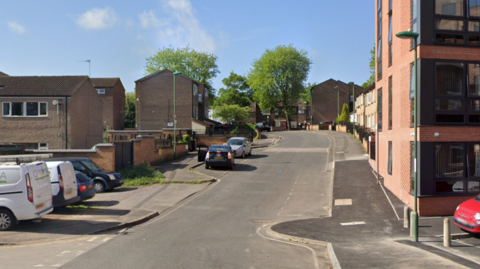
[7, 220]
[99, 187]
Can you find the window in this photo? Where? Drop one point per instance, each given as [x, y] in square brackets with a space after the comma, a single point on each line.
[195, 89]
[43, 146]
[457, 167]
[379, 109]
[451, 22]
[474, 8]
[414, 21]
[25, 109]
[390, 53]
[412, 94]
[389, 165]
[101, 91]
[390, 105]
[449, 7]
[412, 166]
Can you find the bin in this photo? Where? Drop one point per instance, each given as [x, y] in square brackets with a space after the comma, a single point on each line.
[202, 153]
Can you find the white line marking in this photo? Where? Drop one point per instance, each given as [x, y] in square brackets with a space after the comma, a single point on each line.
[91, 240]
[353, 223]
[106, 239]
[381, 186]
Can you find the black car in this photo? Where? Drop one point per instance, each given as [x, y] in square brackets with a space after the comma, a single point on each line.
[86, 186]
[220, 156]
[263, 126]
[103, 181]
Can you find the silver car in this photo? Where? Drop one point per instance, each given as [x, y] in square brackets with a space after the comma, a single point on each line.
[241, 146]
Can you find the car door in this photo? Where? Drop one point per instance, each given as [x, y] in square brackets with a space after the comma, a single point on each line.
[247, 146]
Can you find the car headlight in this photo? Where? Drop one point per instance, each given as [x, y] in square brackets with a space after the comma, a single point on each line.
[112, 177]
[477, 216]
[458, 207]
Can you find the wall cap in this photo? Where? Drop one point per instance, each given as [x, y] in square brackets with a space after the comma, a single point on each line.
[105, 145]
[136, 140]
[146, 136]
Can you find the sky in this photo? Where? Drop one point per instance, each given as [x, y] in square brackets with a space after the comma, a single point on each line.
[55, 38]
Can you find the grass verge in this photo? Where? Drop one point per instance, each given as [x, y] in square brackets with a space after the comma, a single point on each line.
[141, 175]
[81, 207]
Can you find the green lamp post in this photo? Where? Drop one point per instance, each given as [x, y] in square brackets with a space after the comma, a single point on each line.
[338, 102]
[414, 36]
[174, 118]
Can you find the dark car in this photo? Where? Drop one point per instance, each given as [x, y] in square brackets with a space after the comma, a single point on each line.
[220, 156]
[103, 181]
[263, 126]
[86, 186]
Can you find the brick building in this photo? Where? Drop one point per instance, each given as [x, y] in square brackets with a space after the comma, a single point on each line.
[448, 91]
[112, 94]
[62, 112]
[155, 108]
[366, 108]
[325, 106]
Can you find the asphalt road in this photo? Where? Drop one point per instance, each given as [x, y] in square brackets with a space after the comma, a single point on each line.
[219, 227]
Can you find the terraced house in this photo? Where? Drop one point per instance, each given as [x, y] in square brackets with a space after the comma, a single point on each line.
[61, 112]
[448, 101]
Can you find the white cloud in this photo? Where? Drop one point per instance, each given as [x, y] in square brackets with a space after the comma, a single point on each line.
[97, 18]
[180, 27]
[16, 27]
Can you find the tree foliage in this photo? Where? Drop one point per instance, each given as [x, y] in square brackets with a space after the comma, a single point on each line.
[196, 65]
[345, 116]
[230, 113]
[130, 110]
[236, 91]
[278, 77]
[306, 95]
[371, 67]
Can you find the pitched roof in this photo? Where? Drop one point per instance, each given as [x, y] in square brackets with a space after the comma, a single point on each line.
[104, 82]
[40, 86]
[162, 71]
[3, 74]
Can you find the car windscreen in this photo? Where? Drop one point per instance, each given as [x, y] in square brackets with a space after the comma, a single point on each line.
[90, 165]
[235, 142]
[219, 148]
[82, 178]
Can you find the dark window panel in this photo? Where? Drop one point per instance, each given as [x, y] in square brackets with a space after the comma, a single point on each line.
[474, 26]
[449, 160]
[474, 105]
[446, 118]
[32, 109]
[473, 40]
[17, 109]
[449, 78]
[449, 38]
[474, 119]
[453, 25]
[474, 8]
[389, 165]
[449, 104]
[449, 7]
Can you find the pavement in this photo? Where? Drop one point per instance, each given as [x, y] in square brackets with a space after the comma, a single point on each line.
[267, 140]
[113, 210]
[365, 227]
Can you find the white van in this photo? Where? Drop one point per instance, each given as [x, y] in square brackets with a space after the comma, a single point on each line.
[25, 192]
[64, 183]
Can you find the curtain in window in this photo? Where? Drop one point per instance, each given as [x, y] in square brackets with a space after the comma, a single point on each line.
[449, 160]
[449, 7]
[474, 79]
[449, 78]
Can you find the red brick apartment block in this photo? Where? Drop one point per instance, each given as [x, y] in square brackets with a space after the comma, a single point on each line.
[448, 101]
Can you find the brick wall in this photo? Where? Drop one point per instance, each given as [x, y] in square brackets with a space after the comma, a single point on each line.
[440, 206]
[144, 151]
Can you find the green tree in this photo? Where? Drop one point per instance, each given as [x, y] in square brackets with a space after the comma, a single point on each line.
[345, 116]
[130, 109]
[230, 113]
[196, 65]
[236, 91]
[278, 77]
[306, 95]
[371, 67]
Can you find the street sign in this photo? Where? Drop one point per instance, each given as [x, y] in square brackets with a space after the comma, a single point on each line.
[174, 116]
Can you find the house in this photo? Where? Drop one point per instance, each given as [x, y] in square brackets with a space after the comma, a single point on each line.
[327, 102]
[58, 112]
[156, 106]
[112, 94]
[448, 102]
[3, 74]
[366, 108]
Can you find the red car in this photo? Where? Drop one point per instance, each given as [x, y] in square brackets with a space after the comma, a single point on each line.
[467, 215]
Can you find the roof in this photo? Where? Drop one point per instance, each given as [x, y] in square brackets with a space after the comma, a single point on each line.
[3, 74]
[201, 123]
[104, 82]
[40, 86]
[163, 71]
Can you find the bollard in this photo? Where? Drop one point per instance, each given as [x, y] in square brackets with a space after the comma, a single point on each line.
[406, 217]
[446, 233]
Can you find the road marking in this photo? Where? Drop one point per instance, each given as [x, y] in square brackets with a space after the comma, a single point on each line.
[343, 201]
[353, 223]
[92, 239]
[106, 239]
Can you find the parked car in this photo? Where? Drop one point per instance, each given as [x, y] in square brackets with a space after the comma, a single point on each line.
[25, 193]
[263, 126]
[64, 183]
[103, 181]
[467, 215]
[241, 146]
[220, 155]
[86, 186]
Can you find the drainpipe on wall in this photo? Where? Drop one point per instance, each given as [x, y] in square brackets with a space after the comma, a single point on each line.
[66, 123]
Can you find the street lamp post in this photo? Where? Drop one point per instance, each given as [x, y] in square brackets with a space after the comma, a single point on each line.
[136, 114]
[338, 102]
[174, 118]
[354, 108]
[414, 36]
[89, 69]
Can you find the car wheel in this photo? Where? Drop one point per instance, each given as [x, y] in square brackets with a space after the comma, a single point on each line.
[7, 220]
[207, 167]
[99, 187]
[243, 154]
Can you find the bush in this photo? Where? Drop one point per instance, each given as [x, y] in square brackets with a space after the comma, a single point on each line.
[142, 174]
[186, 139]
[250, 127]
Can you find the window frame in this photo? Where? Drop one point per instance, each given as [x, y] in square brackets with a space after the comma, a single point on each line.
[24, 109]
[390, 158]
[379, 110]
[390, 102]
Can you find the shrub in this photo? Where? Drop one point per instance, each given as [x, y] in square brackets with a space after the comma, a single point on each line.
[142, 174]
[250, 127]
[186, 139]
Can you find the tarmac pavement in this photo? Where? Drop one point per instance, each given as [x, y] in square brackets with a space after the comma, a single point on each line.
[365, 229]
[116, 209]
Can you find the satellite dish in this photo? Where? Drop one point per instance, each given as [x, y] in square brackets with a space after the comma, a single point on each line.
[55, 102]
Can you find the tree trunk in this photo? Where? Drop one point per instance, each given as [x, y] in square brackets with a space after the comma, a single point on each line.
[287, 116]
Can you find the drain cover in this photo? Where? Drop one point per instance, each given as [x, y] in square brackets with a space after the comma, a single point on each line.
[259, 221]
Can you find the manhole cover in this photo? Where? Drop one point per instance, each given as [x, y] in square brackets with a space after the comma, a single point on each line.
[259, 221]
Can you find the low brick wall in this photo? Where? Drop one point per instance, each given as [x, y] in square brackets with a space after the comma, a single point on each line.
[144, 151]
[103, 155]
[341, 128]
